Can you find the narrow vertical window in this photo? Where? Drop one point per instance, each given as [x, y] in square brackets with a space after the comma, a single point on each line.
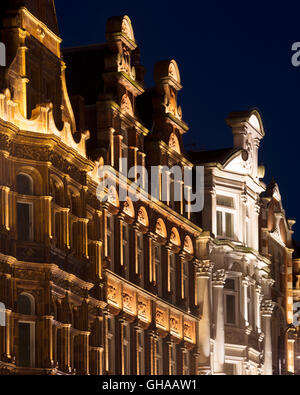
[173, 277]
[126, 345]
[26, 331]
[230, 299]
[111, 344]
[24, 221]
[140, 257]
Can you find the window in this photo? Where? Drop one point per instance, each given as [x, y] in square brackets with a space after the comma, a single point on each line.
[126, 345]
[157, 268]
[141, 351]
[110, 240]
[173, 359]
[186, 362]
[185, 281]
[111, 343]
[125, 249]
[248, 229]
[159, 356]
[24, 184]
[225, 217]
[173, 277]
[24, 221]
[230, 296]
[140, 256]
[26, 331]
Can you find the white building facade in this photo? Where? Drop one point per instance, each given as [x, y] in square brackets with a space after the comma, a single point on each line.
[240, 290]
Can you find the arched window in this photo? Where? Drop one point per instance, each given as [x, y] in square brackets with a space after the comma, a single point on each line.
[26, 329]
[26, 305]
[24, 184]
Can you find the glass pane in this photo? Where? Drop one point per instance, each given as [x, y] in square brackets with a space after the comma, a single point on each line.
[230, 284]
[23, 218]
[225, 201]
[230, 309]
[24, 305]
[24, 345]
[229, 225]
[219, 223]
[24, 185]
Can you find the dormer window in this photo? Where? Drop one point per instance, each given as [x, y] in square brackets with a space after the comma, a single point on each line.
[225, 217]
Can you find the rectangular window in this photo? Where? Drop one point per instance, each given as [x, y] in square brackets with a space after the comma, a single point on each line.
[24, 344]
[225, 217]
[24, 221]
[141, 352]
[110, 240]
[219, 223]
[230, 309]
[230, 300]
[125, 249]
[159, 356]
[111, 344]
[173, 277]
[173, 364]
[157, 268]
[140, 256]
[126, 345]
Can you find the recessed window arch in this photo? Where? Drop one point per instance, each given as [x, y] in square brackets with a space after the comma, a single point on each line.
[26, 304]
[24, 184]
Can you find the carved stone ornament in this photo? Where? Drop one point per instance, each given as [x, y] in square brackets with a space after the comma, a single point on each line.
[267, 308]
[127, 301]
[160, 318]
[126, 105]
[218, 278]
[204, 268]
[142, 309]
[141, 217]
[112, 293]
[174, 324]
[187, 331]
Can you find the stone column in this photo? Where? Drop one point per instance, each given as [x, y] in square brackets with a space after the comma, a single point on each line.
[218, 283]
[64, 349]
[46, 335]
[257, 308]
[245, 284]
[267, 308]
[204, 269]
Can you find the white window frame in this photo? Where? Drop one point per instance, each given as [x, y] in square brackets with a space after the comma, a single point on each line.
[227, 210]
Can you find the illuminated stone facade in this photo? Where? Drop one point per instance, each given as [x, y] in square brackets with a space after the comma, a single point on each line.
[134, 287]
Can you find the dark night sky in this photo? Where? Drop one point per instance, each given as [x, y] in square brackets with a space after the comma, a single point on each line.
[232, 56]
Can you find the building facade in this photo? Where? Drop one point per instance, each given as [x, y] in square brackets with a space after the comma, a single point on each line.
[128, 286]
